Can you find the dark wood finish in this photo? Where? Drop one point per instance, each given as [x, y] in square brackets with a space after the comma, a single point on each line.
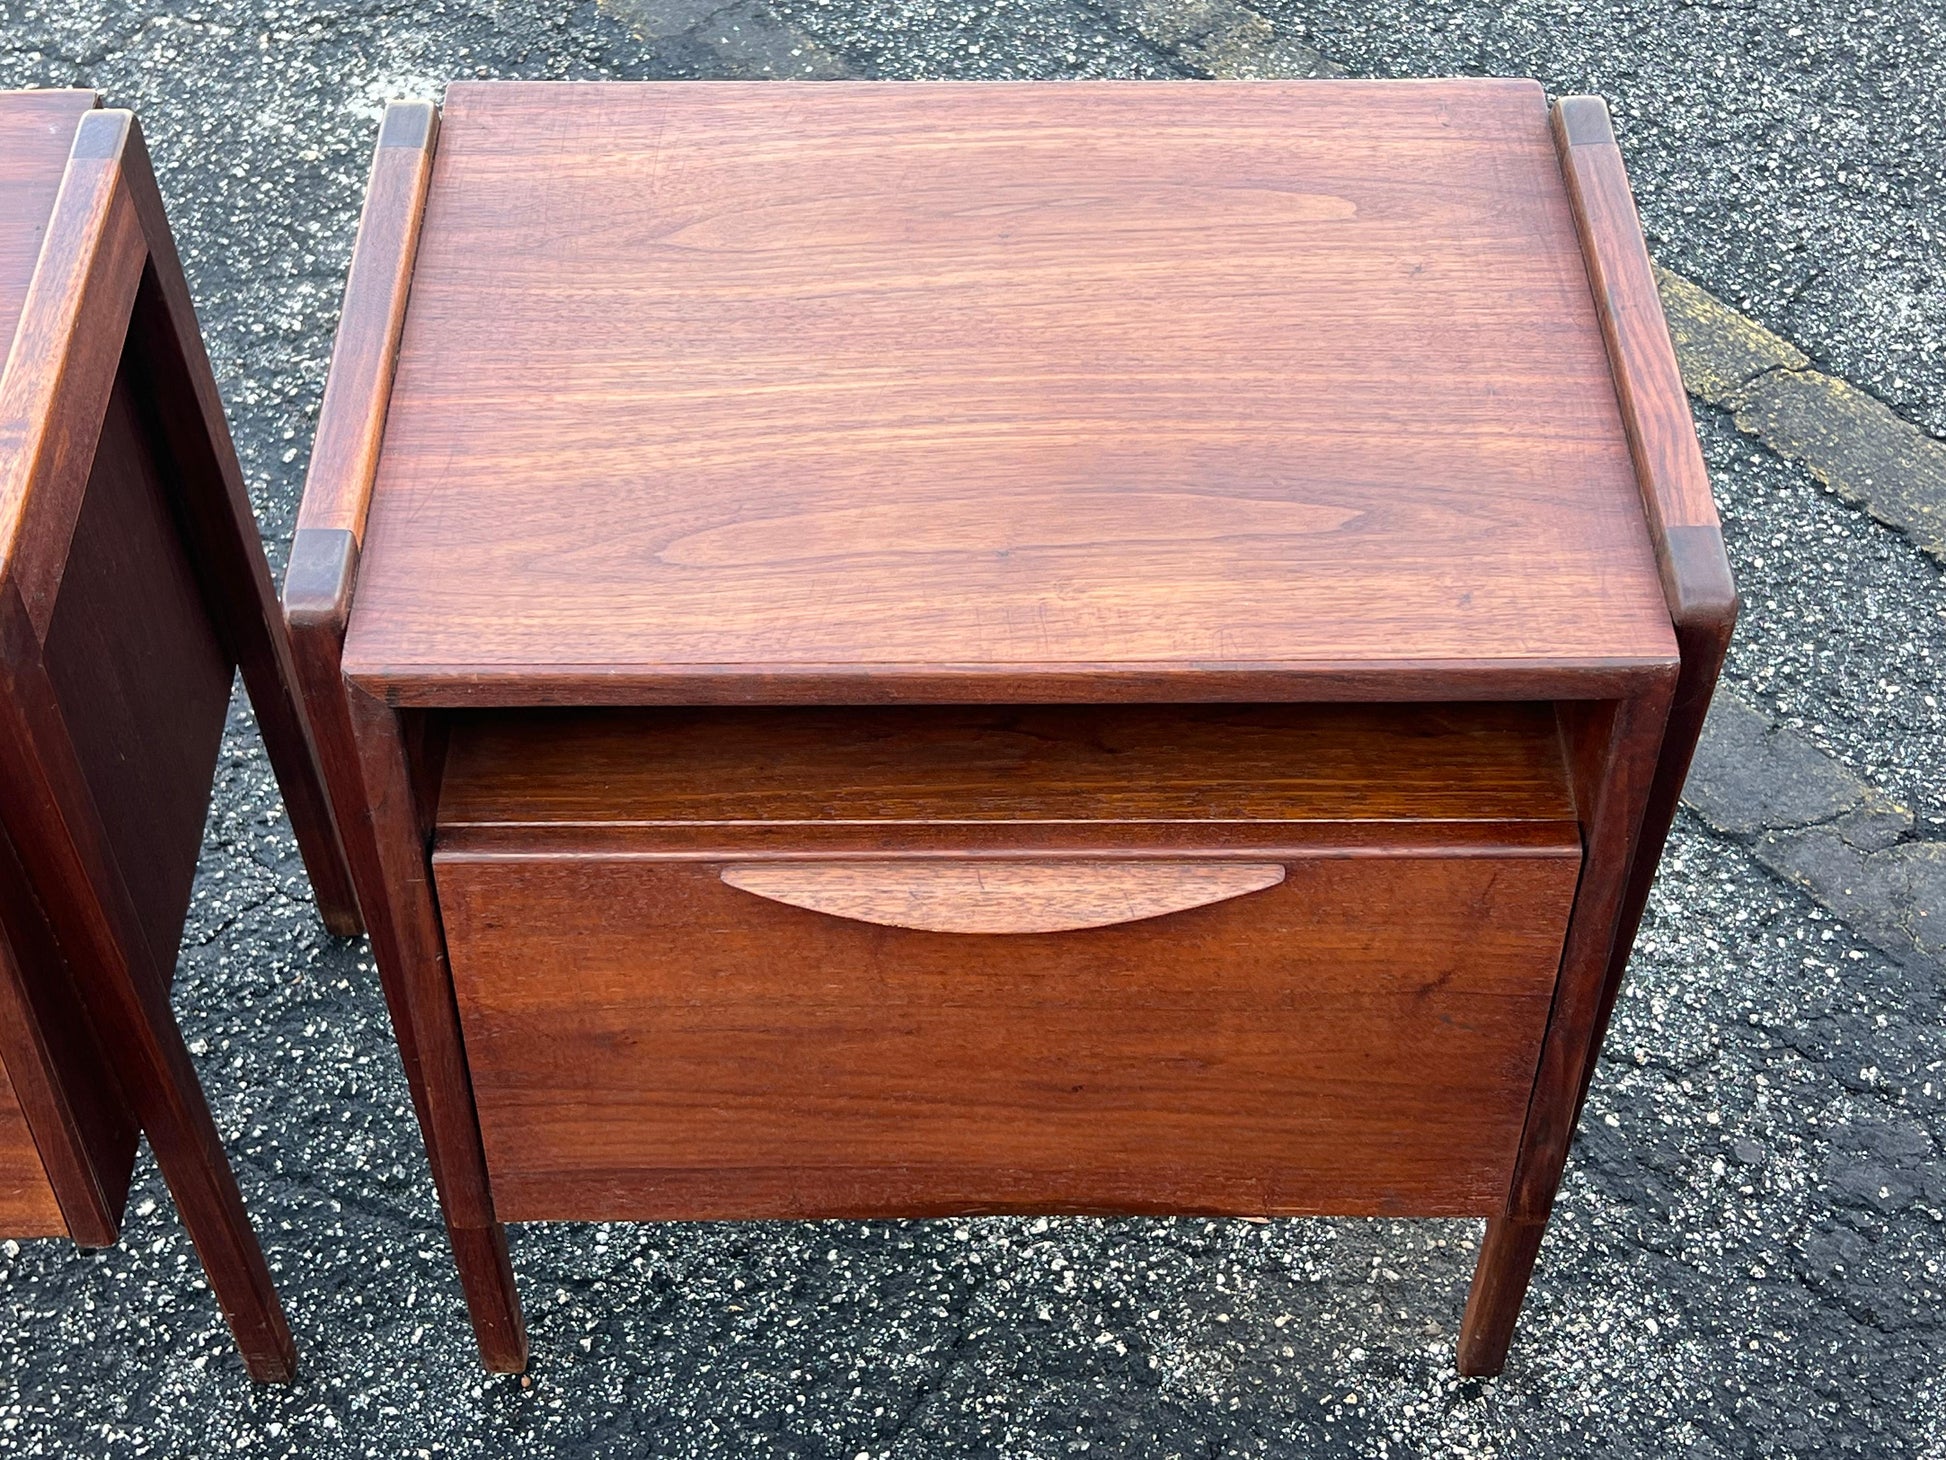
[1638, 755]
[646, 1043]
[318, 588]
[81, 1124]
[185, 414]
[841, 392]
[344, 457]
[48, 810]
[410, 948]
[364, 748]
[36, 132]
[559, 769]
[132, 586]
[27, 1205]
[62, 365]
[1500, 1279]
[1645, 751]
[143, 686]
[1669, 468]
[143, 691]
[56, 406]
[486, 1276]
[1613, 749]
[666, 397]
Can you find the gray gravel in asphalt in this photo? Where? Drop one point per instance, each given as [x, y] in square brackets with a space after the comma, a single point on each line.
[1746, 1262]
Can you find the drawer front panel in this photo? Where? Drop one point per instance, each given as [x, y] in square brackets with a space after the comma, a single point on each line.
[648, 1041]
[27, 1205]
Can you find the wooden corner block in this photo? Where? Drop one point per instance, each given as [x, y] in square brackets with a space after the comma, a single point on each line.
[1582, 121]
[318, 583]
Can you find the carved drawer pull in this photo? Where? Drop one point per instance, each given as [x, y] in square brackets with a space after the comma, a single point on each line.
[1001, 897]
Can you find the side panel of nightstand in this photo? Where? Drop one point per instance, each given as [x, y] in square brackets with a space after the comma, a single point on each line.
[73, 1109]
[133, 582]
[143, 683]
[27, 1205]
[143, 688]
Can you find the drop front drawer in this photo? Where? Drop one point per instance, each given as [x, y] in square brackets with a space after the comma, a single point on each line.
[931, 961]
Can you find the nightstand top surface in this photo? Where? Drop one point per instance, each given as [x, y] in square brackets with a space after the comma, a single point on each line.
[36, 134]
[849, 391]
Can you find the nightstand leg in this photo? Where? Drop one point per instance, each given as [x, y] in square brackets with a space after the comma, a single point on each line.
[388, 839]
[1612, 752]
[1499, 1284]
[49, 807]
[486, 1276]
[187, 1148]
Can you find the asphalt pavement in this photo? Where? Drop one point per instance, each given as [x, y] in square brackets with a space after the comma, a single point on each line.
[1746, 1256]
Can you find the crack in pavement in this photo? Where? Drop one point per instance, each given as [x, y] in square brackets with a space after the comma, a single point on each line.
[1809, 820]
[1221, 39]
[1848, 439]
[741, 36]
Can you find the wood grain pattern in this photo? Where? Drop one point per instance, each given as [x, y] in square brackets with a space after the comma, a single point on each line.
[48, 809]
[378, 798]
[344, 455]
[624, 1008]
[1506, 1263]
[1277, 390]
[72, 1102]
[1703, 608]
[383, 819]
[1655, 408]
[396, 891]
[219, 531]
[1613, 750]
[1675, 486]
[144, 686]
[27, 1205]
[542, 770]
[36, 131]
[1010, 395]
[646, 1042]
[118, 617]
[337, 489]
[55, 383]
[993, 896]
